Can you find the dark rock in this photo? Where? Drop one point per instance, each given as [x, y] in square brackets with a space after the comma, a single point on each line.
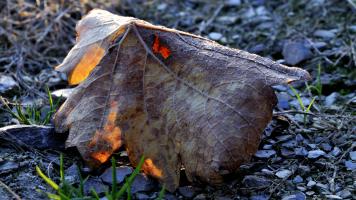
[252, 181]
[315, 154]
[303, 170]
[290, 144]
[142, 196]
[311, 183]
[295, 52]
[200, 197]
[287, 153]
[332, 196]
[257, 48]
[331, 99]
[344, 193]
[326, 146]
[301, 151]
[187, 191]
[350, 165]
[121, 173]
[233, 2]
[335, 152]
[169, 196]
[72, 174]
[259, 197]
[265, 153]
[295, 196]
[96, 184]
[142, 183]
[39, 137]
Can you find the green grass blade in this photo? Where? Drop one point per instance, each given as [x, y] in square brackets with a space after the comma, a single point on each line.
[46, 179]
[114, 181]
[310, 105]
[61, 168]
[161, 193]
[298, 97]
[131, 178]
[94, 193]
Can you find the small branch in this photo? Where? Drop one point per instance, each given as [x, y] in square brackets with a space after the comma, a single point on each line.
[203, 25]
[17, 197]
[352, 3]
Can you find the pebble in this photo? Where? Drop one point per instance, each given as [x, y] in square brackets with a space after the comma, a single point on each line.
[287, 153]
[325, 34]
[265, 153]
[285, 173]
[39, 137]
[187, 191]
[142, 183]
[142, 196]
[295, 52]
[298, 179]
[251, 181]
[350, 165]
[315, 154]
[303, 170]
[96, 184]
[326, 146]
[200, 197]
[8, 166]
[72, 174]
[121, 173]
[353, 155]
[331, 196]
[335, 152]
[331, 99]
[215, 36]
[62, 93]
[259, 197]
[295, 196]
[311, 183]
[301, 151]
[233, 2]
[344, 193]
[7, 83]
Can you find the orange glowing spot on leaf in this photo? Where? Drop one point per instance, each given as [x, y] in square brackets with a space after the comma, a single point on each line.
[101, 156]
[86, 64]
[157, 47]
[150, 168]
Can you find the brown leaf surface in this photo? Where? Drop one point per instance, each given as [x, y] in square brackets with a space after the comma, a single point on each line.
[178, 99]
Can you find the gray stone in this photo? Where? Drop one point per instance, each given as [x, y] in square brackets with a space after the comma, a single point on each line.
[331, 99]
[215, 36]
[311, 183]
[303, 170]
[7, 165]
[295, 196]
[350, 165]
[301, 151]
[265, 153]
[315, 154]
[7, 83]
[287, 153]
[259, 197]
[332, 196]
[252, 181]
[72, 174]
[326, 146]
[187, 191]
[121, 173]
[39, 137]
[233, 2]
[353, 155]
[200, 197]
[142, 183]
[298, 179]
[285, 173]
[326, 34]
[62, 93]
[142, 196]
[335, 152]
[96, 184]
[295, 52]
[344, 193]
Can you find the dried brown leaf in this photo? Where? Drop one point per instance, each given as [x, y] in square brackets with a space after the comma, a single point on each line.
[178, 99]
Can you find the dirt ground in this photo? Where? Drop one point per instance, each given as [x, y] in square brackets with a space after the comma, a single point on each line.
[301, 156]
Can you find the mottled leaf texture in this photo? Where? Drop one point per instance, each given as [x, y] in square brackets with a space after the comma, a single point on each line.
[176, 98]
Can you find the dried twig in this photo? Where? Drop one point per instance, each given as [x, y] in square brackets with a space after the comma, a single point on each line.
[17, 197]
